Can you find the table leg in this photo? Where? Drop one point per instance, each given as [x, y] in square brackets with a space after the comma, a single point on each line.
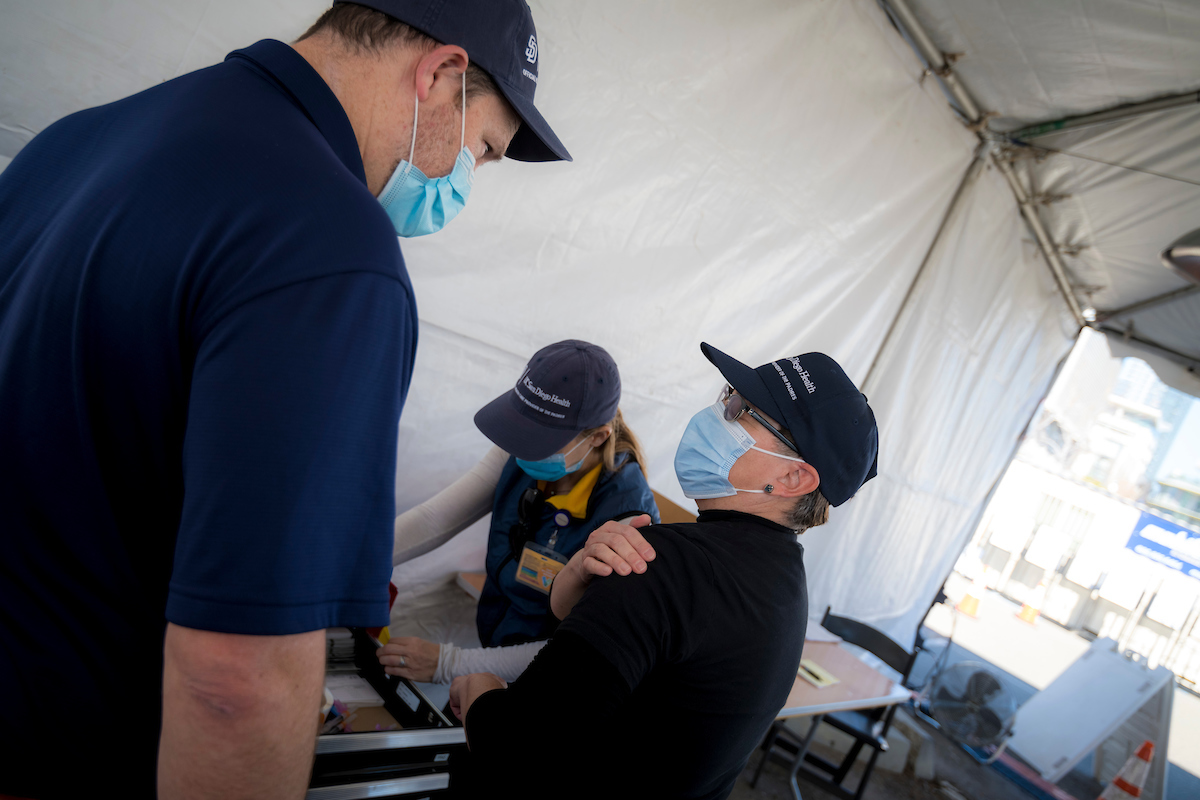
[812, 731]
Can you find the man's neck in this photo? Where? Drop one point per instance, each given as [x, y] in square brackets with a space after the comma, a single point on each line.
[760, 506]
[364, 87]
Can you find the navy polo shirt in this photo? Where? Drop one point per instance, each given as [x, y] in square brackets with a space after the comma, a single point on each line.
[206, 337]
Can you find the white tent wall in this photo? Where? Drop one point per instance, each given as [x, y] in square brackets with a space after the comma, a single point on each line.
[812, 255]
[767, 176]
[974, 351]
[61, 56]
[730, 185]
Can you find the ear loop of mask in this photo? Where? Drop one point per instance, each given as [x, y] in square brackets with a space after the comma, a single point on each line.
[582, 442]
[462, 134]
[412, 147]
[769, 488]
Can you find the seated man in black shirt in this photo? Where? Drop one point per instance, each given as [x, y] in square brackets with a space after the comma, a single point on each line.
[667, 678]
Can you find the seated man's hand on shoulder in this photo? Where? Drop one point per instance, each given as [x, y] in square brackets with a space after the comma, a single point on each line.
[410, 657]
[613, 547]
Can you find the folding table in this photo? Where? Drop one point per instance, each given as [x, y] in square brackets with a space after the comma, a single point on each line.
[860, 686]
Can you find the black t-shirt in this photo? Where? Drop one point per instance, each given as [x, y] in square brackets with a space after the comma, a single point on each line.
[659, 684]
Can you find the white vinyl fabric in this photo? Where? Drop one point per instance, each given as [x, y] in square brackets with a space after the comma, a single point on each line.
[954, 394]
[766, 176]
[60, 56]
[1031, 61]
[1113, 223]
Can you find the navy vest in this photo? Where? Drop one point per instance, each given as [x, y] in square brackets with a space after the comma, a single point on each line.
[510, 612]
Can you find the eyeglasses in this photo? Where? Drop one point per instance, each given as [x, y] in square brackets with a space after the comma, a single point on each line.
[529, 514]
[736, 405]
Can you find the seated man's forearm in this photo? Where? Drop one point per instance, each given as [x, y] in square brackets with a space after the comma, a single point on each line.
[239, 714]
[568, 676]
[568, 587]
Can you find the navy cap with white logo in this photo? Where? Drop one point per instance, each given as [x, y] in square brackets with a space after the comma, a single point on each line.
[499, 36]
[566, 388]
[814, 400]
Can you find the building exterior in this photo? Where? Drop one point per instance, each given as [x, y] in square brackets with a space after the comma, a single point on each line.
[1097, 522]
[1101, 565]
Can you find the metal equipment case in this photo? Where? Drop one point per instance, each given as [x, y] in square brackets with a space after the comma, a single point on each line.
[414, 762]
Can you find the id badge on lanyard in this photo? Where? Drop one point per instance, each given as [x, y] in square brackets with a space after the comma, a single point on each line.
[539, 564]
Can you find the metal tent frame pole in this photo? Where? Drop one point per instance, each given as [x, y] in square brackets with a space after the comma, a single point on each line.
[908, 23]
[935, 58]
[1190, 363]
[1151, 302]
[1045, 243]
[1109, 115]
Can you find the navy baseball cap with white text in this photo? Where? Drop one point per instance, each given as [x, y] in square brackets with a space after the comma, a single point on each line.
[817, 403]
[499, 36]
[567, 387]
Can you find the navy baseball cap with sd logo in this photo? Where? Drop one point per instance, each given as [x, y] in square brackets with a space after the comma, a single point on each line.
[815, 401]
[499, 36]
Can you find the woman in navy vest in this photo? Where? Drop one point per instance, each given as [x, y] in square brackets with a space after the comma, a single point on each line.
[564, 463]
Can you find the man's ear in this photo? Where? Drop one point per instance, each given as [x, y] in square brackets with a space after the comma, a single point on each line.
[445, 64]
[798, 480]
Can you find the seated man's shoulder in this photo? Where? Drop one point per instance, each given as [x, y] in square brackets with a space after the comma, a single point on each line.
[678, 548]
[675, 537]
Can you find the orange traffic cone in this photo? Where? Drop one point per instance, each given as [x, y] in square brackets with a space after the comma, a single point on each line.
[1030, 610]
[969, 605]
[1132, 777]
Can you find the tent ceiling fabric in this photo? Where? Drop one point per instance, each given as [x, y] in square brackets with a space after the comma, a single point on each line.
[1029, 61]
[1117, 221]
[1032, 60]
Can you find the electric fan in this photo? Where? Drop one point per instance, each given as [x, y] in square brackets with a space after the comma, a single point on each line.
[971, 705]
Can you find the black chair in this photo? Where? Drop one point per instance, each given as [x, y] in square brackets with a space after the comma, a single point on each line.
[868, 727]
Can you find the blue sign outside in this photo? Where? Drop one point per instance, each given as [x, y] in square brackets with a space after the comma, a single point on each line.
[1166, 543]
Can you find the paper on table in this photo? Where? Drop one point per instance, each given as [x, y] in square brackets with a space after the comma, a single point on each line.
[815, 674]
[353, 691]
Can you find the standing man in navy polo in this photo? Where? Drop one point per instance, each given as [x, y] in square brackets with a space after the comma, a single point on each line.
[206, 338]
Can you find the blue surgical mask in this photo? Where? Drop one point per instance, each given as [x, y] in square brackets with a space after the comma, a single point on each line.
[709, 447]
[417, 204]
[553, 467]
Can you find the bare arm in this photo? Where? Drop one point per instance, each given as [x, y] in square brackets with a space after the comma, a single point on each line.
[613, 545]
[239, 714]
